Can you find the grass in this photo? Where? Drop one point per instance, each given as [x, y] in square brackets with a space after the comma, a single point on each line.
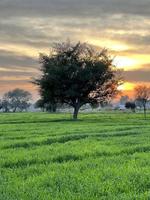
[102, 156]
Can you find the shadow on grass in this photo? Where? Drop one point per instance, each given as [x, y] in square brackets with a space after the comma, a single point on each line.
[128, 152]
[121, 134]
[69, 138]
[26, 163]
[140, 149]
[73, 158]
[39, 121]
[49, 141]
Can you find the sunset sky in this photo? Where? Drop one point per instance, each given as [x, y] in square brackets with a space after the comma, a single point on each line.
[28, 27]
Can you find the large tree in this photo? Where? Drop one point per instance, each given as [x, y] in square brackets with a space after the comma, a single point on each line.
[76, 74]
[142, 96]
[16, 99]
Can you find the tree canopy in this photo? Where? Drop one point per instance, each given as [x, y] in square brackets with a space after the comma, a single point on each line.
[76, 74]
[16, 99]
[130, 105]
[142, 96]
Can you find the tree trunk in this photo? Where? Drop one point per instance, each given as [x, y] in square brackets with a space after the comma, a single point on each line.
[75, 113]
[54, 108]
[145, 112]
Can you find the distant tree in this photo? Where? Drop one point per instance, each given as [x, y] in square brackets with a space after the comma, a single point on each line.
[16, 99]
[95, 105]
[142, 96]
[40, 104]
[51, 107]
[76, 75]
[138, 104]
[124, 99]
[1, 105]
[45, 105]
[5, 105]
[130, 105]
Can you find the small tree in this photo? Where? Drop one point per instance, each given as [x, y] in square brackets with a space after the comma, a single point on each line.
[1, 105]
[5, 104]
[76, 75]
[130, 105]
[40, 104]
[45, 105]
[142, 95]
[123, 100]
[16, 99]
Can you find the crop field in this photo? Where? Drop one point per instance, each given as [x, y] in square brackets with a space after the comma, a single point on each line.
[102, 156]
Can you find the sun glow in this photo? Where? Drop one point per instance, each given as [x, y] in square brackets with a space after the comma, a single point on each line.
[131, 62]
[126, 86]
[111, 44]
[125, 63]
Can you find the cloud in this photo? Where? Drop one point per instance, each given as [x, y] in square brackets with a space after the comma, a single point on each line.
[28, 27]
[67, 8]
[141, 75]
[10, 59]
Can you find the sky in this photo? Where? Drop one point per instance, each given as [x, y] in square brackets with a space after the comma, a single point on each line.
[29, 27]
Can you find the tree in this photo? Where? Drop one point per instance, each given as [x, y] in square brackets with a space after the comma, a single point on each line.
[45, 105]
[1, 105]
[40, 104]
[16, 99]
[75, 74]
[123, 100]
[142, 95]
[130, 105]
[5, 104]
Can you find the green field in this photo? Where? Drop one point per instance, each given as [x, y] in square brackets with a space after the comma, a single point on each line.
[47, 157]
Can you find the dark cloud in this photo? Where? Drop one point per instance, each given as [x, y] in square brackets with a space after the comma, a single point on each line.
[16, 74]
[84, 8]
[38, 23]
[135, 39]
[11, 60]
[140, 75]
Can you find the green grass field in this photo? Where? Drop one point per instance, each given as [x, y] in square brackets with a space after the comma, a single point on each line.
[47, 157]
